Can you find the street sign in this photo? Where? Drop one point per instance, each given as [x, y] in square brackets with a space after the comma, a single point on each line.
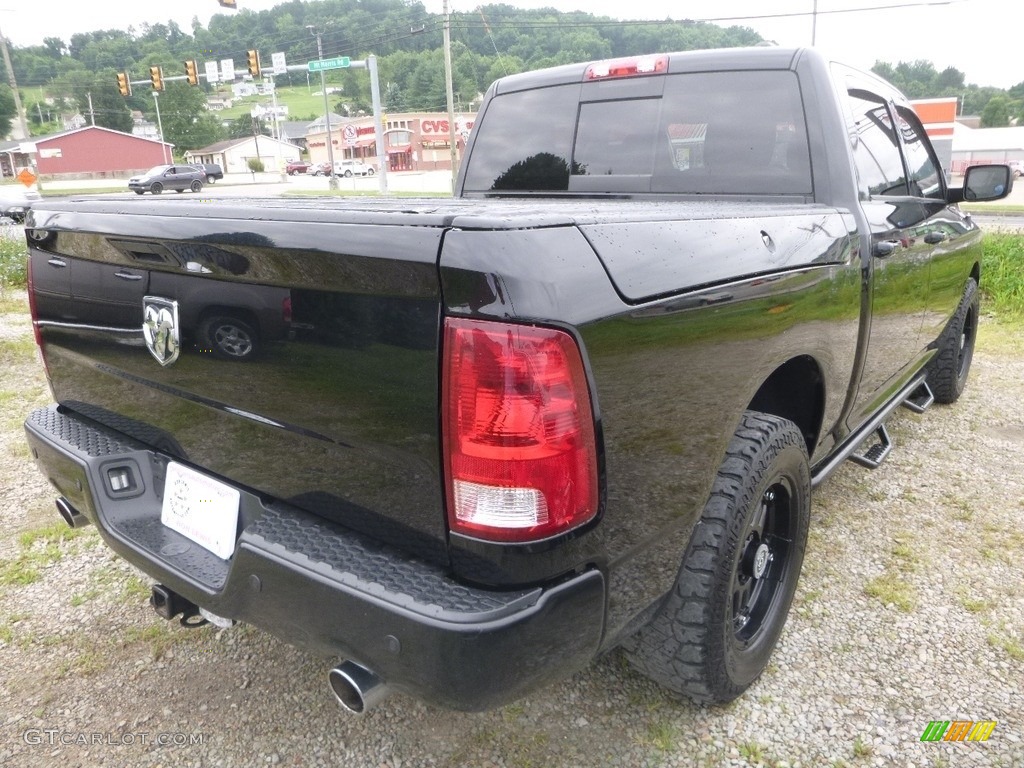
[338, 62]
[279, 66]
[227, 70]
[27, 178]
[349, 134]
[212, 71]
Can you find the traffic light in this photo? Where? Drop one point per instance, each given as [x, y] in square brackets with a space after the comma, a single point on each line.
[156, 76]
[124, 84]
[191, 73]
[253, 58]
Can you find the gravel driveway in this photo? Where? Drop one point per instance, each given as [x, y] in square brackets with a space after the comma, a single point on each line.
[910, 609]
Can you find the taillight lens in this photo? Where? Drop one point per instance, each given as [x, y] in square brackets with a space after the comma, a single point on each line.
[520, 452]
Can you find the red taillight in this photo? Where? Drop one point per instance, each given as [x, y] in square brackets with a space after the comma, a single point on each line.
[520, 452]
[631, 67]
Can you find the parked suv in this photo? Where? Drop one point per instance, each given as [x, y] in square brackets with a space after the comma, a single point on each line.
[176, 177]
[212, 170]
[352, 168]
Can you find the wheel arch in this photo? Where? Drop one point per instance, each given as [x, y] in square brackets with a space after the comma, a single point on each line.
[223, 310]
[795, 391]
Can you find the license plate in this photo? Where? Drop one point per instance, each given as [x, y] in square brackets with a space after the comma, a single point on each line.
[201, 508]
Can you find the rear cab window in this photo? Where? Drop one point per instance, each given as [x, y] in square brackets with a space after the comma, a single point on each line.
[737, 132]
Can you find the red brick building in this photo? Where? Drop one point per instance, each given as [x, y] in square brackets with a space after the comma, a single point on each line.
[94, 152]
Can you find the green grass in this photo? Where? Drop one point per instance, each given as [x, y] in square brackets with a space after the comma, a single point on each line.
[13, 263]
[302, 103]
[892, 589]
[1002, 276]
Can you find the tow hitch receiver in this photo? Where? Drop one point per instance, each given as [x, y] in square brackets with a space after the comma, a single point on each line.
[168, 604]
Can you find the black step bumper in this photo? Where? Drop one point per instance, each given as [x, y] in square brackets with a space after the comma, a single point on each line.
[324, 588]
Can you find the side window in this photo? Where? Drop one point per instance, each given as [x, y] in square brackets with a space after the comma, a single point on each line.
[925, 174]
[876, 151]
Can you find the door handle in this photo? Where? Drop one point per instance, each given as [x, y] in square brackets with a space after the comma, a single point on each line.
[934, 238]
[127, 276]
[59, 263]
[885, 248]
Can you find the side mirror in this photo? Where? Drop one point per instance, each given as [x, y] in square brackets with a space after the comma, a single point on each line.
[987, 182]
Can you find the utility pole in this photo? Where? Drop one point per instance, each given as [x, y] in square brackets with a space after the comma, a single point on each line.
[160, 126]
[449, 90]
[92, 114]
[332, 182]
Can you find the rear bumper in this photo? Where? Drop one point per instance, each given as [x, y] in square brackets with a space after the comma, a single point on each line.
[321, 587]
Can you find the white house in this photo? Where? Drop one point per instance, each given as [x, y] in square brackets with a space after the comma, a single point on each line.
[233, 155]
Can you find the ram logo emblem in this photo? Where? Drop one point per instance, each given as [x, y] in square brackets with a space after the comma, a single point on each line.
[160, 328]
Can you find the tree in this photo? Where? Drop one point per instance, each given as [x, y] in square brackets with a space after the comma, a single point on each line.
[996, 113]
[8, 112]
[187, 123]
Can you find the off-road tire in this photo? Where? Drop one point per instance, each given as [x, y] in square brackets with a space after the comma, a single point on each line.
[703, 642]
[948, 370]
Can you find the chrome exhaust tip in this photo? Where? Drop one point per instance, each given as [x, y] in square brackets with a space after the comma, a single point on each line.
[357, 689]
[71, 516]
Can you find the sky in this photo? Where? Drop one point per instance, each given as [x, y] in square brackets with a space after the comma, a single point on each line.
[978, 37]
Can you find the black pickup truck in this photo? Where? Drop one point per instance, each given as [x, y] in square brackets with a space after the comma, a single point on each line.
[580, 406]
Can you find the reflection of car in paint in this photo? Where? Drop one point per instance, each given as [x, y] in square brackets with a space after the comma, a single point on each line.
[231, 320]
[15, 200]
[582, 406]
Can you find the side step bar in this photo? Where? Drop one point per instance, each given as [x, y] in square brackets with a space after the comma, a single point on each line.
[877, 453]
[920, 399]
[853, 441]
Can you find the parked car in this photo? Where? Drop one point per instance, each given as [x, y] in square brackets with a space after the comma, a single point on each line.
[349, 168]
[1017, 166]
[15, 200]
[161, 177]
[212, 170]
[298, 166]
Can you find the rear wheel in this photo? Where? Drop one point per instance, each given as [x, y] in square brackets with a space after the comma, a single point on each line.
[196, 186]
[947, 371]
[229, 338]
[714, 633]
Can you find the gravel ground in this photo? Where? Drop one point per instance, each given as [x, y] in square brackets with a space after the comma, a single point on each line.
[910, 609]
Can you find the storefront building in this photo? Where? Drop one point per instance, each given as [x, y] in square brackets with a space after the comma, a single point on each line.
[413, 141]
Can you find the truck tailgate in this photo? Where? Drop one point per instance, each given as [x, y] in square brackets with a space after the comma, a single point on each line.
[307, 360]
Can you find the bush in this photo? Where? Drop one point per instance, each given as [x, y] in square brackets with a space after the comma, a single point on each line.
[13, 258]
[255, 165]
